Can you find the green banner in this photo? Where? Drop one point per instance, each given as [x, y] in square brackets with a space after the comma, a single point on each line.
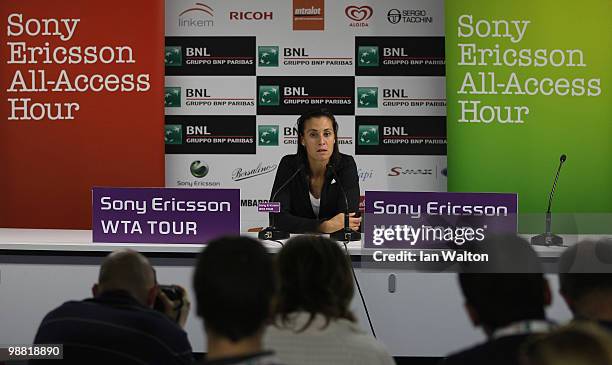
[529, 81]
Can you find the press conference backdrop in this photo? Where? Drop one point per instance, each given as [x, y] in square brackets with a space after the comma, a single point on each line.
[239, 73]
[527, 82]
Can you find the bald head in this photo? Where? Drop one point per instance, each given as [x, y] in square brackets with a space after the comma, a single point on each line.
[127, 270]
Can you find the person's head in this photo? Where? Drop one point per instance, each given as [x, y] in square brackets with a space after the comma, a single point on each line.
[315, 277]
[318, 137]
[586, 279]
[494, 301]
[129, 271]
[234, 283]
[576, 344]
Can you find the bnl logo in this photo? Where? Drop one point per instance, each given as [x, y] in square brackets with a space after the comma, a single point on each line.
[368, 135]
[267, 135]
[269, 95]
[367, 56]
[173, 134]
[367, 97]
[172, 97]
[173, 56]
[267, 56]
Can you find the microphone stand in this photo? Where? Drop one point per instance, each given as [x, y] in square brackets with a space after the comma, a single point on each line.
[272, 233]
[346, 234]
[548, 238]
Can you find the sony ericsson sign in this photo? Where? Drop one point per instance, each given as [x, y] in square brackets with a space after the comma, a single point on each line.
[495, 66]
[50, 63]
[157, 215]
[404, 220]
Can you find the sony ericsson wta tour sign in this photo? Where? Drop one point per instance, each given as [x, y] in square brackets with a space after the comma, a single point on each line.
[155, 215]
[405, 220]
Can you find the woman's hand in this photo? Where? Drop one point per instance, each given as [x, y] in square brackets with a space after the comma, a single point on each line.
[337, 223]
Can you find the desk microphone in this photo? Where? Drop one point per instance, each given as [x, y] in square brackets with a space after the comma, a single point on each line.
[547, 238]
[271, 232]
[345, 234]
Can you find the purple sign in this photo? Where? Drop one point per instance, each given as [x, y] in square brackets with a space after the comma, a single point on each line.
[269, 207]
[158, 215]
[436, 220]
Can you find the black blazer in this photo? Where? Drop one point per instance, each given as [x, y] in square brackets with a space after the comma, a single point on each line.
[296, 214]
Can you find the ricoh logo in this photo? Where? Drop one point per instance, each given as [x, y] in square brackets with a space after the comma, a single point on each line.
[251, 15]
[198, 16]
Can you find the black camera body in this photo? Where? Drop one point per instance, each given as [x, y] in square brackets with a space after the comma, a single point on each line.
[173, 293]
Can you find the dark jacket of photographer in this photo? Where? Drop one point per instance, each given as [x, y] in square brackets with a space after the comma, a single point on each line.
[114, 328]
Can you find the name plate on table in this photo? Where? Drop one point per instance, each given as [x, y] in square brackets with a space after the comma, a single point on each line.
[269, 207]
[158, 215]
[402, 220]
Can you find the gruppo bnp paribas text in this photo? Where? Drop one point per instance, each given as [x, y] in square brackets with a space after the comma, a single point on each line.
[38, 79]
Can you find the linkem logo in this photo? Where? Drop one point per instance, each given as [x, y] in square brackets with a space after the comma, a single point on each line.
[200, 15]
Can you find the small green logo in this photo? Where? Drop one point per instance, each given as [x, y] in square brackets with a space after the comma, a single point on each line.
[367, 56]
[198, 169]
[269, 95]
[367, 97]
[267, 56]
[173, 56]
[368, 135]
[267, 135]
[172, 97]
[173, 134]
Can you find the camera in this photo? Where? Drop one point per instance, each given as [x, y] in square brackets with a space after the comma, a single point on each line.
[174, 293]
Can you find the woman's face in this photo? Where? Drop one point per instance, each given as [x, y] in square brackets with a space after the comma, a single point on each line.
[318, 138]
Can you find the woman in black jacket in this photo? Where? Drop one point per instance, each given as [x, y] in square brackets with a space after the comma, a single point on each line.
[312, 201]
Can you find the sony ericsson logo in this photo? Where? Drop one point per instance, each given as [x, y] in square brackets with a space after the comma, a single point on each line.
[367, 97]
[199, 169]
[267, 56]
[267, 135]
[367, 56]
[368, 135]
[269, 95]
[173, 56]
[200, 15]
[173, 134]
[172, 97]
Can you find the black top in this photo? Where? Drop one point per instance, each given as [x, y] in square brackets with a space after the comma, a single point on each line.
[502, 351]
[260, 358]
[296, 214]
[113, 328]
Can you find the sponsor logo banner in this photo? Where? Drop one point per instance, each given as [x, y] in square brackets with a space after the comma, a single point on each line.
[386, 95]
[210, 56]
[295, 95]
[312, 57]
[405, 56]
[243, 173]
[358, 16]
[285, 133]
[424, 135]
[196, 16]
[154, 215]
[435, 219]
[210, 95]
[409, 16]
[250, 16]
[269, 207]
[308, 14]
[210, 134]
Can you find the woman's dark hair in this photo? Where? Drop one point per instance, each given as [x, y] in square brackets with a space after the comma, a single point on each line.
[301, 125]
[315, 277]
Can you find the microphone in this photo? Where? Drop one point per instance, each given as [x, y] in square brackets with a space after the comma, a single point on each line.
[271, 232]
[346, 234]
[548, 238]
